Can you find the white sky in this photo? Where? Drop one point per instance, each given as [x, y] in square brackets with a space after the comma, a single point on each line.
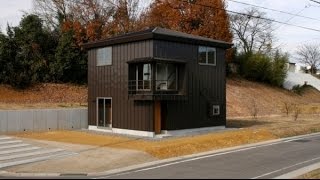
[288, 37]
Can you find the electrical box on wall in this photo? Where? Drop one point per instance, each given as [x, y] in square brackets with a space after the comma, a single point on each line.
[213, 109]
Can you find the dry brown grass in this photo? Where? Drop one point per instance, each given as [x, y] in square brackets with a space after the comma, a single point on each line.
[280, 127]
[160, 149]
[311, 175]
[43, 96]
[260, 129]
[268, 99]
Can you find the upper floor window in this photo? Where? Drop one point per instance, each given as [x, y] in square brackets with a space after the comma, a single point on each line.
[104, 56]
[207, 55]
[143, 77]
[166, 76]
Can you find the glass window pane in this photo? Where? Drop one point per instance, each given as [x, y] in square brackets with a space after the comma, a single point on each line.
[104, 56]
[147, 72]
[161, 77]
[212, 56]
[202, 54]
[172, 77]
[140, 76]
[147, 76]
[101, 112]
[144, 76]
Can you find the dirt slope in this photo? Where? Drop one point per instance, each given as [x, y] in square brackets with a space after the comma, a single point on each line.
[243, 94]
[43, 96]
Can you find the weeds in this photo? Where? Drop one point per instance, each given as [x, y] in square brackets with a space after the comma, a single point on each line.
[296, 112]
[254, 109]
[287, 108]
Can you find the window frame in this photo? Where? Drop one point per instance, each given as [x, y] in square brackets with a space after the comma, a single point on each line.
[207, 56]
[105, 50]
[137, 78]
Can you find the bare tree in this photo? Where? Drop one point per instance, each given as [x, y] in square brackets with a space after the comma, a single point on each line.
[309, 54]
[296, 112]
[287, 107]
[251, 33]
[254, 108]
[100, 18]
[49, 10]
[125, 16]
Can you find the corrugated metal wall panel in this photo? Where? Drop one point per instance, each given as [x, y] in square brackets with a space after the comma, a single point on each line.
[112, 81]
[192, 113]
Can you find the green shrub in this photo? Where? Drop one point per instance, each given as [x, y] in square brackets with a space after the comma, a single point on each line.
[300, 89]
[263, 68]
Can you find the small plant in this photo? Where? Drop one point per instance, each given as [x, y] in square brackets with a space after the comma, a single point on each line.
[254, 109]
[287, 107]
[296, 112]
[297, 89]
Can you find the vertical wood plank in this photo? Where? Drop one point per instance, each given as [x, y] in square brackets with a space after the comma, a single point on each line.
[157, 117]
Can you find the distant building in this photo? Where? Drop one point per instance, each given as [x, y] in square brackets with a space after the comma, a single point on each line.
[295, 68]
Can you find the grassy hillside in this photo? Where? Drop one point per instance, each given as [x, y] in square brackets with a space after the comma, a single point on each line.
[241, 97]
[43, 96]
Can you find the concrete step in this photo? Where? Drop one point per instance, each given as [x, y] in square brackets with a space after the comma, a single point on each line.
[9, 142]
[13, 146]
[42, 158]
[30, 154]
[5, 138]
[6, 152]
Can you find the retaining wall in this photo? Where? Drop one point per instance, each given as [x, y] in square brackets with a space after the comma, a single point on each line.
[13, 121]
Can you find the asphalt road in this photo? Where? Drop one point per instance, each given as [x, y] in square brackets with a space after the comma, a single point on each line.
[260, 162]
[255, 162]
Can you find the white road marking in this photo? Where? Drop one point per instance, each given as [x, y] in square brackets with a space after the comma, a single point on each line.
[272, 172]
[218, 154]
[188, 160]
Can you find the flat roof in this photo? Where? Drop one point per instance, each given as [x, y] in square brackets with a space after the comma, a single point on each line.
[158, 33]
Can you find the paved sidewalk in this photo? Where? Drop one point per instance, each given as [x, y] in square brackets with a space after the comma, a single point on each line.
[15, 152]
[87, 159]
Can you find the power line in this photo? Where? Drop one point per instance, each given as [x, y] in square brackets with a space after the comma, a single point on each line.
[290, 18]
[257, 17]
[315, 1]
[284, 12]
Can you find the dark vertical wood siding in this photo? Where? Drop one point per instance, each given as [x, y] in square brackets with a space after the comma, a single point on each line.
[112, 81]
[193, 112]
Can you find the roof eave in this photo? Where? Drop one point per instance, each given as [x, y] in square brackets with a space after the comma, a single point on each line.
[118, 40]
[224, 45]
[152, 35]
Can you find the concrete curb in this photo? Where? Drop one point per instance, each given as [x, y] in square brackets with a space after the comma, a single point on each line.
[129, 168]
[295, 174]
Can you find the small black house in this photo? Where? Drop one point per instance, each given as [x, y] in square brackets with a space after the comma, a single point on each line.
[144, 82]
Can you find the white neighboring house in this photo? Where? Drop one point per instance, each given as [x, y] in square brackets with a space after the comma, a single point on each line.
[297, 75]
[293, 67]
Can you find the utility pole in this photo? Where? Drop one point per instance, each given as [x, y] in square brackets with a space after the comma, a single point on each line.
[315, 1]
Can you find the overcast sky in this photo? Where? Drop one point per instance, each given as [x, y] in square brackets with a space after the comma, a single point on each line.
[288, 37]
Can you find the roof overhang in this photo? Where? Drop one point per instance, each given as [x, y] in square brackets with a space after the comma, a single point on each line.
[158, 34]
